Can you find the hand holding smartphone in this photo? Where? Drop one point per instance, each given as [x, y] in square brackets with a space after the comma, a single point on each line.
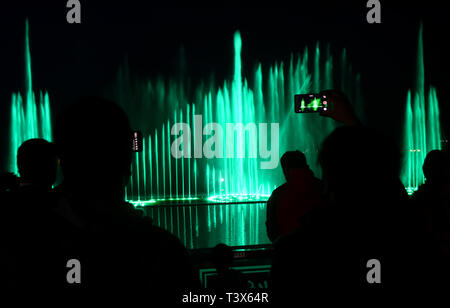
[307, 103]
[329, 103]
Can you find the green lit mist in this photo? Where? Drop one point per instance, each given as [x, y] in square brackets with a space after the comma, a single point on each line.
[30, 115]
[422, 129]
[266, 97]
[226, 196]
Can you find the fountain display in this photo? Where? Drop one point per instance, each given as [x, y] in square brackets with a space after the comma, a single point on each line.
[422, 129]
[233, 188]
[207, 183]
[30, 117]
[267, 102]
[216, 192]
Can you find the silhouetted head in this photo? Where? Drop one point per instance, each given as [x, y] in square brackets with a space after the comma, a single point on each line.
[93, 138]
[436, 167]
[290, 161]
[37, 162]
[222, 257]
[357, 163]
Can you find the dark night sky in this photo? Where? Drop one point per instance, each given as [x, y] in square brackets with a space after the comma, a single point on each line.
[70, 60]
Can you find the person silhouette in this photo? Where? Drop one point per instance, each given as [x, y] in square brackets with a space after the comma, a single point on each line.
[28, 208]
[433, 199]
[436, 170]
[227, 279]
[366, 216]
[290, 202]
[37, 164]
[118, 249]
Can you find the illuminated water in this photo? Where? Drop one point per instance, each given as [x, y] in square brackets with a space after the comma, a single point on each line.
[30, 115]
[267, 97]
[422, 129]
[220, 189]
[226, 194]
[206, 225]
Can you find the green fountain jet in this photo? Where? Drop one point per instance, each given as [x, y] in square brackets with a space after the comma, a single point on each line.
[30, 117]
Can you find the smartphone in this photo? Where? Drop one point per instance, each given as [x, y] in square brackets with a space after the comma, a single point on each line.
[137, 142]
[306, 103]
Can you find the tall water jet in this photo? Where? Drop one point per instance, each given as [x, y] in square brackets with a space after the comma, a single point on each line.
[422, 128]
[30, 117]
[232, 170]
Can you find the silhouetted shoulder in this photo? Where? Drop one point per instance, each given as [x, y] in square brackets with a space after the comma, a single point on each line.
[160, 255]
[276, 194]
[160, 238]
[313, 223]
[280, 188]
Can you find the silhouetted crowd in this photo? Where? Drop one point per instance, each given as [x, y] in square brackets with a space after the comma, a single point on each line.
[327, 234]
[85, 218]
[324, 232]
